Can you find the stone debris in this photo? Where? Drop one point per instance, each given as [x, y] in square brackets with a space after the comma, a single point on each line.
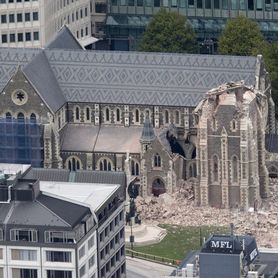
[180, 209]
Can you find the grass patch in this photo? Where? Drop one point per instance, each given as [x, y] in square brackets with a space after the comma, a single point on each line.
[179, 241]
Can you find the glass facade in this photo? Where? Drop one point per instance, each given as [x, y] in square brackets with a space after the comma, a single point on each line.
[126, 20]
[21, 141]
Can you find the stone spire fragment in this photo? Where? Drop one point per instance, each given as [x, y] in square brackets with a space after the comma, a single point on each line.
[148, 133]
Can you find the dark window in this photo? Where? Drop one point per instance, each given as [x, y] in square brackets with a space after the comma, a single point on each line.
[35, 16]
[3, 18]
[27, 16]
[157, 160]
[140, 3]
[118, 115]
[208, 4]
[88, 114]
[28, 273]
[58, 256]
[36, 36]
[216, 4]
[4, 38]
[191, 3]
[251, 5]
[2, 1]
[20, 37]
[59, 274]
[157, 3]
[12, 37]
[199, 4]
[19, 17]
[101, 7]
[28, 36]
[11, 18]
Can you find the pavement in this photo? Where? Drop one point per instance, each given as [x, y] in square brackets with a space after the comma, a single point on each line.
[137, 268]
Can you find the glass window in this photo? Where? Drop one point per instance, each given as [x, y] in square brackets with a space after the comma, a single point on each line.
[165, 3]
[20, 37]
[224, 4]
[182, 4]
[199, 4]
[24, 255]
[191, 3]
[35, 16]
[82, 271]
[267, 5]
[27, 16]
[251, 5]
[242, 5]
[140, 3]
[12, 37]
[59, 273]
[157, 3]
[92, 261]
[27, 36]
[23, 235]
[11, 18]
[81, 252]
[4, 38]
[3, 18]
[275, 4]
[174, 3]
[234, 5]
[208, 4]
[148, 3]
[19, 17]
[36, 36]
[58, 256]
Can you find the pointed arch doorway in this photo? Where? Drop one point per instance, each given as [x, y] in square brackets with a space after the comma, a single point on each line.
[158, 187]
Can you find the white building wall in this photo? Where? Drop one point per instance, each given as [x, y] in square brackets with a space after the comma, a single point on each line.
[52, 15]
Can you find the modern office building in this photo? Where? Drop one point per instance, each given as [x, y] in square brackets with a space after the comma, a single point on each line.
[60, 229]
[127, 19]
[32, 23]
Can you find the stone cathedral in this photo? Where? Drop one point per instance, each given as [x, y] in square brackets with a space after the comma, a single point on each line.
[161, 118]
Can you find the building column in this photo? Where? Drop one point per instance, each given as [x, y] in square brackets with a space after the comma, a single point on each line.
[224, 168]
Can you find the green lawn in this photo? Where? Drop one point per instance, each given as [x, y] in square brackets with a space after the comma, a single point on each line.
[179, 241]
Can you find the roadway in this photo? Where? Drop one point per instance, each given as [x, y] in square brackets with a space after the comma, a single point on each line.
[136, 268]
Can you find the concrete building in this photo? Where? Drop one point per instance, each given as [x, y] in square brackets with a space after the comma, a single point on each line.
[33, 23]
[60, 229]
[134, 112]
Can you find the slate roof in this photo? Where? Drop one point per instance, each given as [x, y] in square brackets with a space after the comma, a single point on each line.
[64, 39]
[40, 75]
[81, 176]
[98, 139]
[44, 211]
[134, 77]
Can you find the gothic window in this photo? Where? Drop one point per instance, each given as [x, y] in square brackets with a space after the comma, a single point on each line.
[8, 116]
[20, 117]
[177, 117]
[118, 115]
[105, 165]
[134, 168]
[77, 113]
[214, 124]
[73, 163]
[33, 118]
[166, 117]
[147, 113]
[107, 114]
[234, 169]
[157, 160]
[192, 170]
[233, 125]
[273, 172]
[88, 114]
[137, 116]
[215, 168]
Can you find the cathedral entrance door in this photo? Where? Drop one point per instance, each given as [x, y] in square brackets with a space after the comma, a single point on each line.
[158, 187]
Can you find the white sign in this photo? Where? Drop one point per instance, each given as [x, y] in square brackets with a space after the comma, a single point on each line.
[221, 244]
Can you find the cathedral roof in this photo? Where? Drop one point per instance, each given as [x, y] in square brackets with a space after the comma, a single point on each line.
[148, 132]
[40, 75]
[136, 78]
[89, 138]
[64, 39]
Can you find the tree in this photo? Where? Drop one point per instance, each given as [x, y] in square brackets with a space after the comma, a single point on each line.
[169, 32]
[241, 36]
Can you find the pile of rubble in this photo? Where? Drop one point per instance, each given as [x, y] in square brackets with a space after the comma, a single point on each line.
[179, 209]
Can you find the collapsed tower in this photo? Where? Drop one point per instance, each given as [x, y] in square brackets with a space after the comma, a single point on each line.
[231, 124]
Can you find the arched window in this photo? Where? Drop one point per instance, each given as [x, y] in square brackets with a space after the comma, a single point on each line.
[77, 114]
[74, 163]
[33, 118]
[166, 117]
[88, 114]
[273, 172]
[215, 168]
[177, 117]
[134, 168]
[234, 169]
[147, 113]
[107, 115]
[105, 165]
[8, 116]
[157, 160]
[118, 115]
[137, 116]
[20, 117]
[192, 170]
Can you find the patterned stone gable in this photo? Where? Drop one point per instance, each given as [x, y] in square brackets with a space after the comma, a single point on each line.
[132, 77]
